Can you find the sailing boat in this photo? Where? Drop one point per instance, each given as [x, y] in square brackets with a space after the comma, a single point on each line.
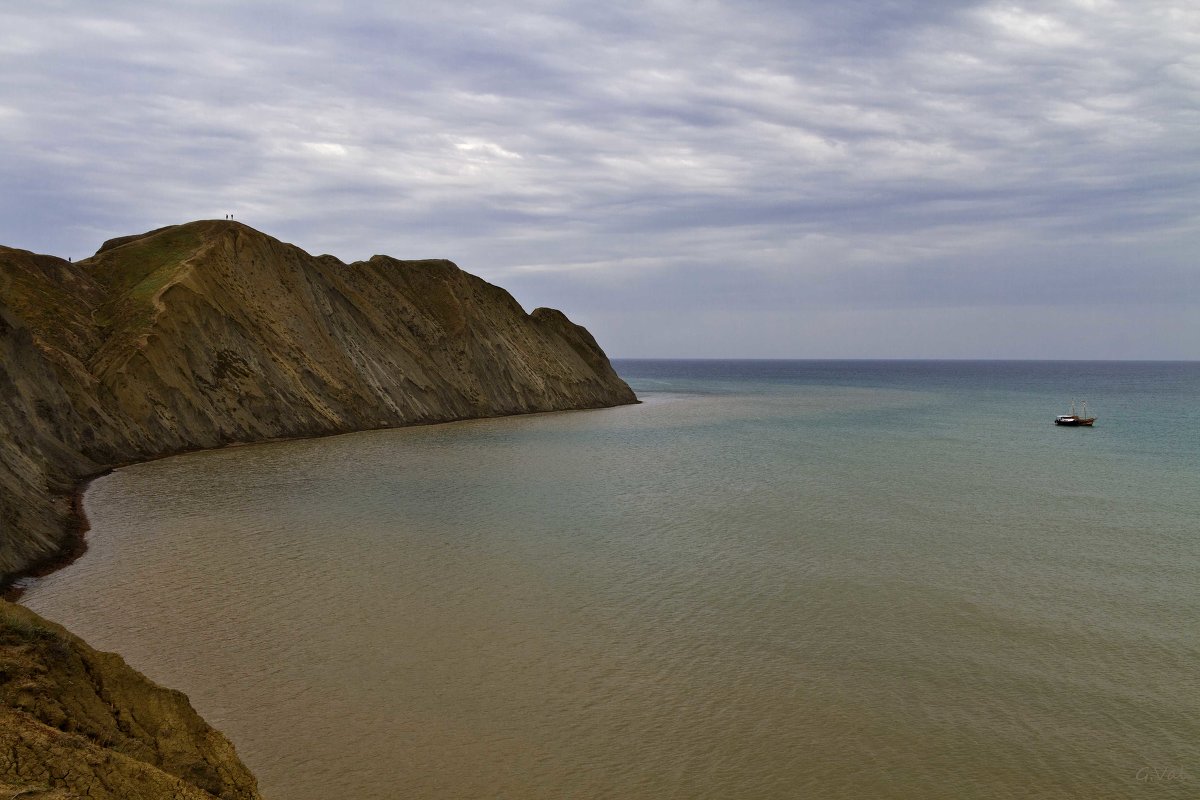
[1074, 419]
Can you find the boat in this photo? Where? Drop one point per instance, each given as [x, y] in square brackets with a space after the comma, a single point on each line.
[1072, 419]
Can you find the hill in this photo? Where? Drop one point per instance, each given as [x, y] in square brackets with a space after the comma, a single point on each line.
[210, 333]
[197, 336]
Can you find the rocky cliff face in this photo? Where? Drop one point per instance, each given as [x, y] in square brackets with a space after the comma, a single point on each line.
[75, 722]
[196, 336]
[209, 333]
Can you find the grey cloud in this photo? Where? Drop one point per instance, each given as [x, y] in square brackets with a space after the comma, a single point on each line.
[618, 158]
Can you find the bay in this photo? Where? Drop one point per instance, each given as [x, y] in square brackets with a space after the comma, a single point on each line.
[770, 579]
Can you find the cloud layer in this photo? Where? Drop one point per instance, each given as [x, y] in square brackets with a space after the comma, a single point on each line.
[687, 178]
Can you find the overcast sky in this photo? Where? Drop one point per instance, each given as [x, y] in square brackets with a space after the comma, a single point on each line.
[754, 179]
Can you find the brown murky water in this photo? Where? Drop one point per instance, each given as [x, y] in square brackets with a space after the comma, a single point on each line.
[746, 594]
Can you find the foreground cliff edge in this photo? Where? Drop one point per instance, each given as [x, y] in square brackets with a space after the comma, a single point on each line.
[75, 722]
[197, 336]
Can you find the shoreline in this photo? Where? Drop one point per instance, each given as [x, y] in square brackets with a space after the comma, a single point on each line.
[74, 544]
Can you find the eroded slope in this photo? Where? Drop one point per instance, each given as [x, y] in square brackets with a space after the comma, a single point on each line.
[85, 724]
[209, 333]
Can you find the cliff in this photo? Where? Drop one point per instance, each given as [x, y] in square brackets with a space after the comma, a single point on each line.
[75, 722]
[210, 333]
[196, 336]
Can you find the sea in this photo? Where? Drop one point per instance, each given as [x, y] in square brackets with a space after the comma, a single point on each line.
[770, 579]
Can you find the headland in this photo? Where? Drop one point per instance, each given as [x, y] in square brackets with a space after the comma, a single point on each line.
[198, 336]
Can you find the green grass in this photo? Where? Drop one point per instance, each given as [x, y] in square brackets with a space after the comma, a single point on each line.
[135, 272]
[15, 629]
[142, 267]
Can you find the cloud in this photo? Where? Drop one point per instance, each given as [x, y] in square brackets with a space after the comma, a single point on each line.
[748, 157]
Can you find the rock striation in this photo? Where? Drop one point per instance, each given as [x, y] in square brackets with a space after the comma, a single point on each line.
[210, 333]
[197, 336]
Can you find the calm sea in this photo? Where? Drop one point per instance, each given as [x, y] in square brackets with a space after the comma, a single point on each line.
[769, 580]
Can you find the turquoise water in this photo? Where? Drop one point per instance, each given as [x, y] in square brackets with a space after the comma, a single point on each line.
[771, 579]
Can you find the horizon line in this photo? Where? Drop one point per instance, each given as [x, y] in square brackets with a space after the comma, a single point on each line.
[912, 358]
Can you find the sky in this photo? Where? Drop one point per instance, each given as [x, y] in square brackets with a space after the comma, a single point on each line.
[759, 179]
